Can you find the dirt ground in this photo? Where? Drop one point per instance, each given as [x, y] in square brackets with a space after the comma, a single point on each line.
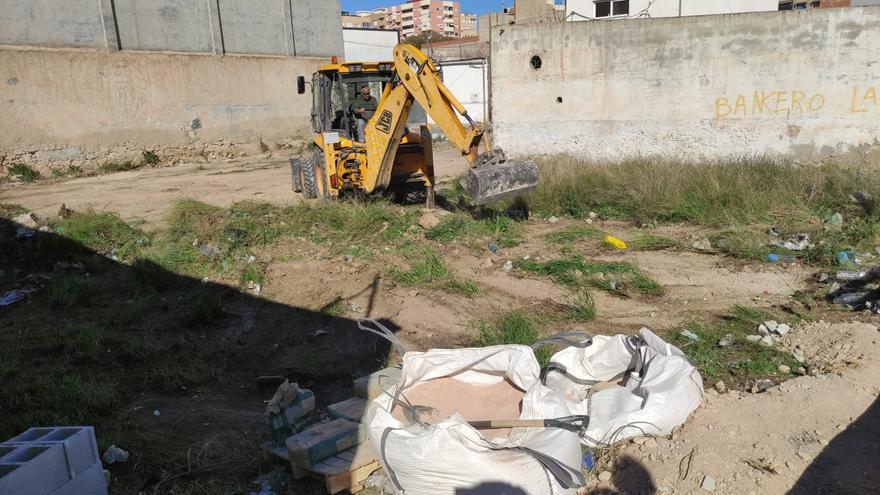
[813, 434]
[147, 193]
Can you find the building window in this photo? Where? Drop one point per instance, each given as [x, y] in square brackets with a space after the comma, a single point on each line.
[609, 8]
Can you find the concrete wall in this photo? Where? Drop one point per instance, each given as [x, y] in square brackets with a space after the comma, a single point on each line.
[317, 30]
[802, 84]
[74, 23]
[174, 25]
[583, 10]
[259, 27]
[136, 75]
[369, 44]
[74, 107]
[256, 26]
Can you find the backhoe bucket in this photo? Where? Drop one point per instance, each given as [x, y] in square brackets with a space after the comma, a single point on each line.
[489, 183]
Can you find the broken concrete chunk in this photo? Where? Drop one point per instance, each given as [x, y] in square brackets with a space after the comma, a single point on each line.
[783, 328]
[320, 442]
[708, 483]
[753, 338]
[371, 386]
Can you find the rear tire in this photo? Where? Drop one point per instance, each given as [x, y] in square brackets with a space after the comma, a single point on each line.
[309, 174]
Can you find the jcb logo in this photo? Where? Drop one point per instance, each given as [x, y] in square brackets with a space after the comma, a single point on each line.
[384, 122]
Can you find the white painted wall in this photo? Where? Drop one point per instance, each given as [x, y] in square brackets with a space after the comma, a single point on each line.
[801, 84]
[468, 80]
[582, 10]
[367, 45]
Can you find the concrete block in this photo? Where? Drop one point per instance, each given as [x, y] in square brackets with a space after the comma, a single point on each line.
[320, 442]
[33, 469]
[371, 386]
[353, 409]
[89, 482]
[78, 443]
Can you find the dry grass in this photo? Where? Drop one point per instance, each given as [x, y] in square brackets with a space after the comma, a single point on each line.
[715, 195]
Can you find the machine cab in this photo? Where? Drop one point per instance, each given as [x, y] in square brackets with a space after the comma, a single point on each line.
[334, 87]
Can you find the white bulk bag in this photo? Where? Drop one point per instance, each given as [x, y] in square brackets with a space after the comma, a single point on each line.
[453, 458]
[661, 390]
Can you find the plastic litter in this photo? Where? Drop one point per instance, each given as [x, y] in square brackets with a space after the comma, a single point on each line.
[493, 247]
[13, 296]
[690, 335]
[614, 242]
[781, 258]
[726, 341]
[797, 242]
[587, 460]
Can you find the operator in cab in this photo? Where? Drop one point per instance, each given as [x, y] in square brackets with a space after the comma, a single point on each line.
[362, 106]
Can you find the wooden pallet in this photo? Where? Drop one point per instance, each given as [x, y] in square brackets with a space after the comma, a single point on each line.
[344, 471]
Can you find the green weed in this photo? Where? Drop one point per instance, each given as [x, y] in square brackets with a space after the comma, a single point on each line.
[150, 158]
[336, 307]
[23, 172]
[103, 232]
[649, 242]
[431, 270]
[581, 304]
[69, 292]
[505, 231]
[575, 233]
[514, 327]
[253, 274]
[615, 277]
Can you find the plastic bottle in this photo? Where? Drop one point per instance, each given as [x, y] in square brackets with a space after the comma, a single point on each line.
[781, 258]
[848, 275]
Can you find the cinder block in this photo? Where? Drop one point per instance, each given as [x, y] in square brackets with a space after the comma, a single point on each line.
[320, 442]
[89, 482]
[371, 386]
[78, 442]
[353, 409]
[33, 469]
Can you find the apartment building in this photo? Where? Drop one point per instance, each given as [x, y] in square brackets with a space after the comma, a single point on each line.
[469, 25]
[413, 17]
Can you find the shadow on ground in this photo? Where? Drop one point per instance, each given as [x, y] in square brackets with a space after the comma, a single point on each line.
[848, 464]
[163, 365]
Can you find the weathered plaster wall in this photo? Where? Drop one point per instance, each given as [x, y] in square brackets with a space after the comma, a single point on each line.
[73, 107]
[802, 84]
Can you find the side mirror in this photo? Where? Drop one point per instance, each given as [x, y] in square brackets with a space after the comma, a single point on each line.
[300, 85]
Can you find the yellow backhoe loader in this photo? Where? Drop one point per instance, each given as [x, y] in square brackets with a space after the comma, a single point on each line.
[392, 157]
